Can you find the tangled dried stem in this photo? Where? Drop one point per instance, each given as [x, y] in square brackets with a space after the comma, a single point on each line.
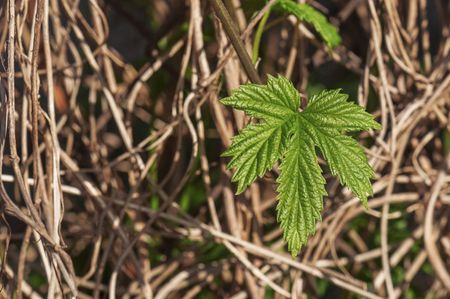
[111, 180]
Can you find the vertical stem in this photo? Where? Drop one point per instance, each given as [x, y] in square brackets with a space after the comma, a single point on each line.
[11, 87]
[233, 35]
[258, 36]
[35, 106]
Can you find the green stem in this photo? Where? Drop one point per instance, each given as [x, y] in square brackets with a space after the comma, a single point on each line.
[258, 36]
[233, 35]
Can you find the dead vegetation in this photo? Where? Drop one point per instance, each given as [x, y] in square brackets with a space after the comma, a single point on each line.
[111, 178]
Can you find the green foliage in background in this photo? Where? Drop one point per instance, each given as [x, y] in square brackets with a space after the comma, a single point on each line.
[304, 13]
[309, 14]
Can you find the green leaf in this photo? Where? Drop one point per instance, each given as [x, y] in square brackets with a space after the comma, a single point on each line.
[291, 136]
[344, 156]
[255, 150]
[330, 109]
[327, 114]
[258, 146]
[307, 13]
[271, 102]
[300, 191]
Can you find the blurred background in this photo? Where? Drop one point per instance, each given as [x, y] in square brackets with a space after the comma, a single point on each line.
[111, 132]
